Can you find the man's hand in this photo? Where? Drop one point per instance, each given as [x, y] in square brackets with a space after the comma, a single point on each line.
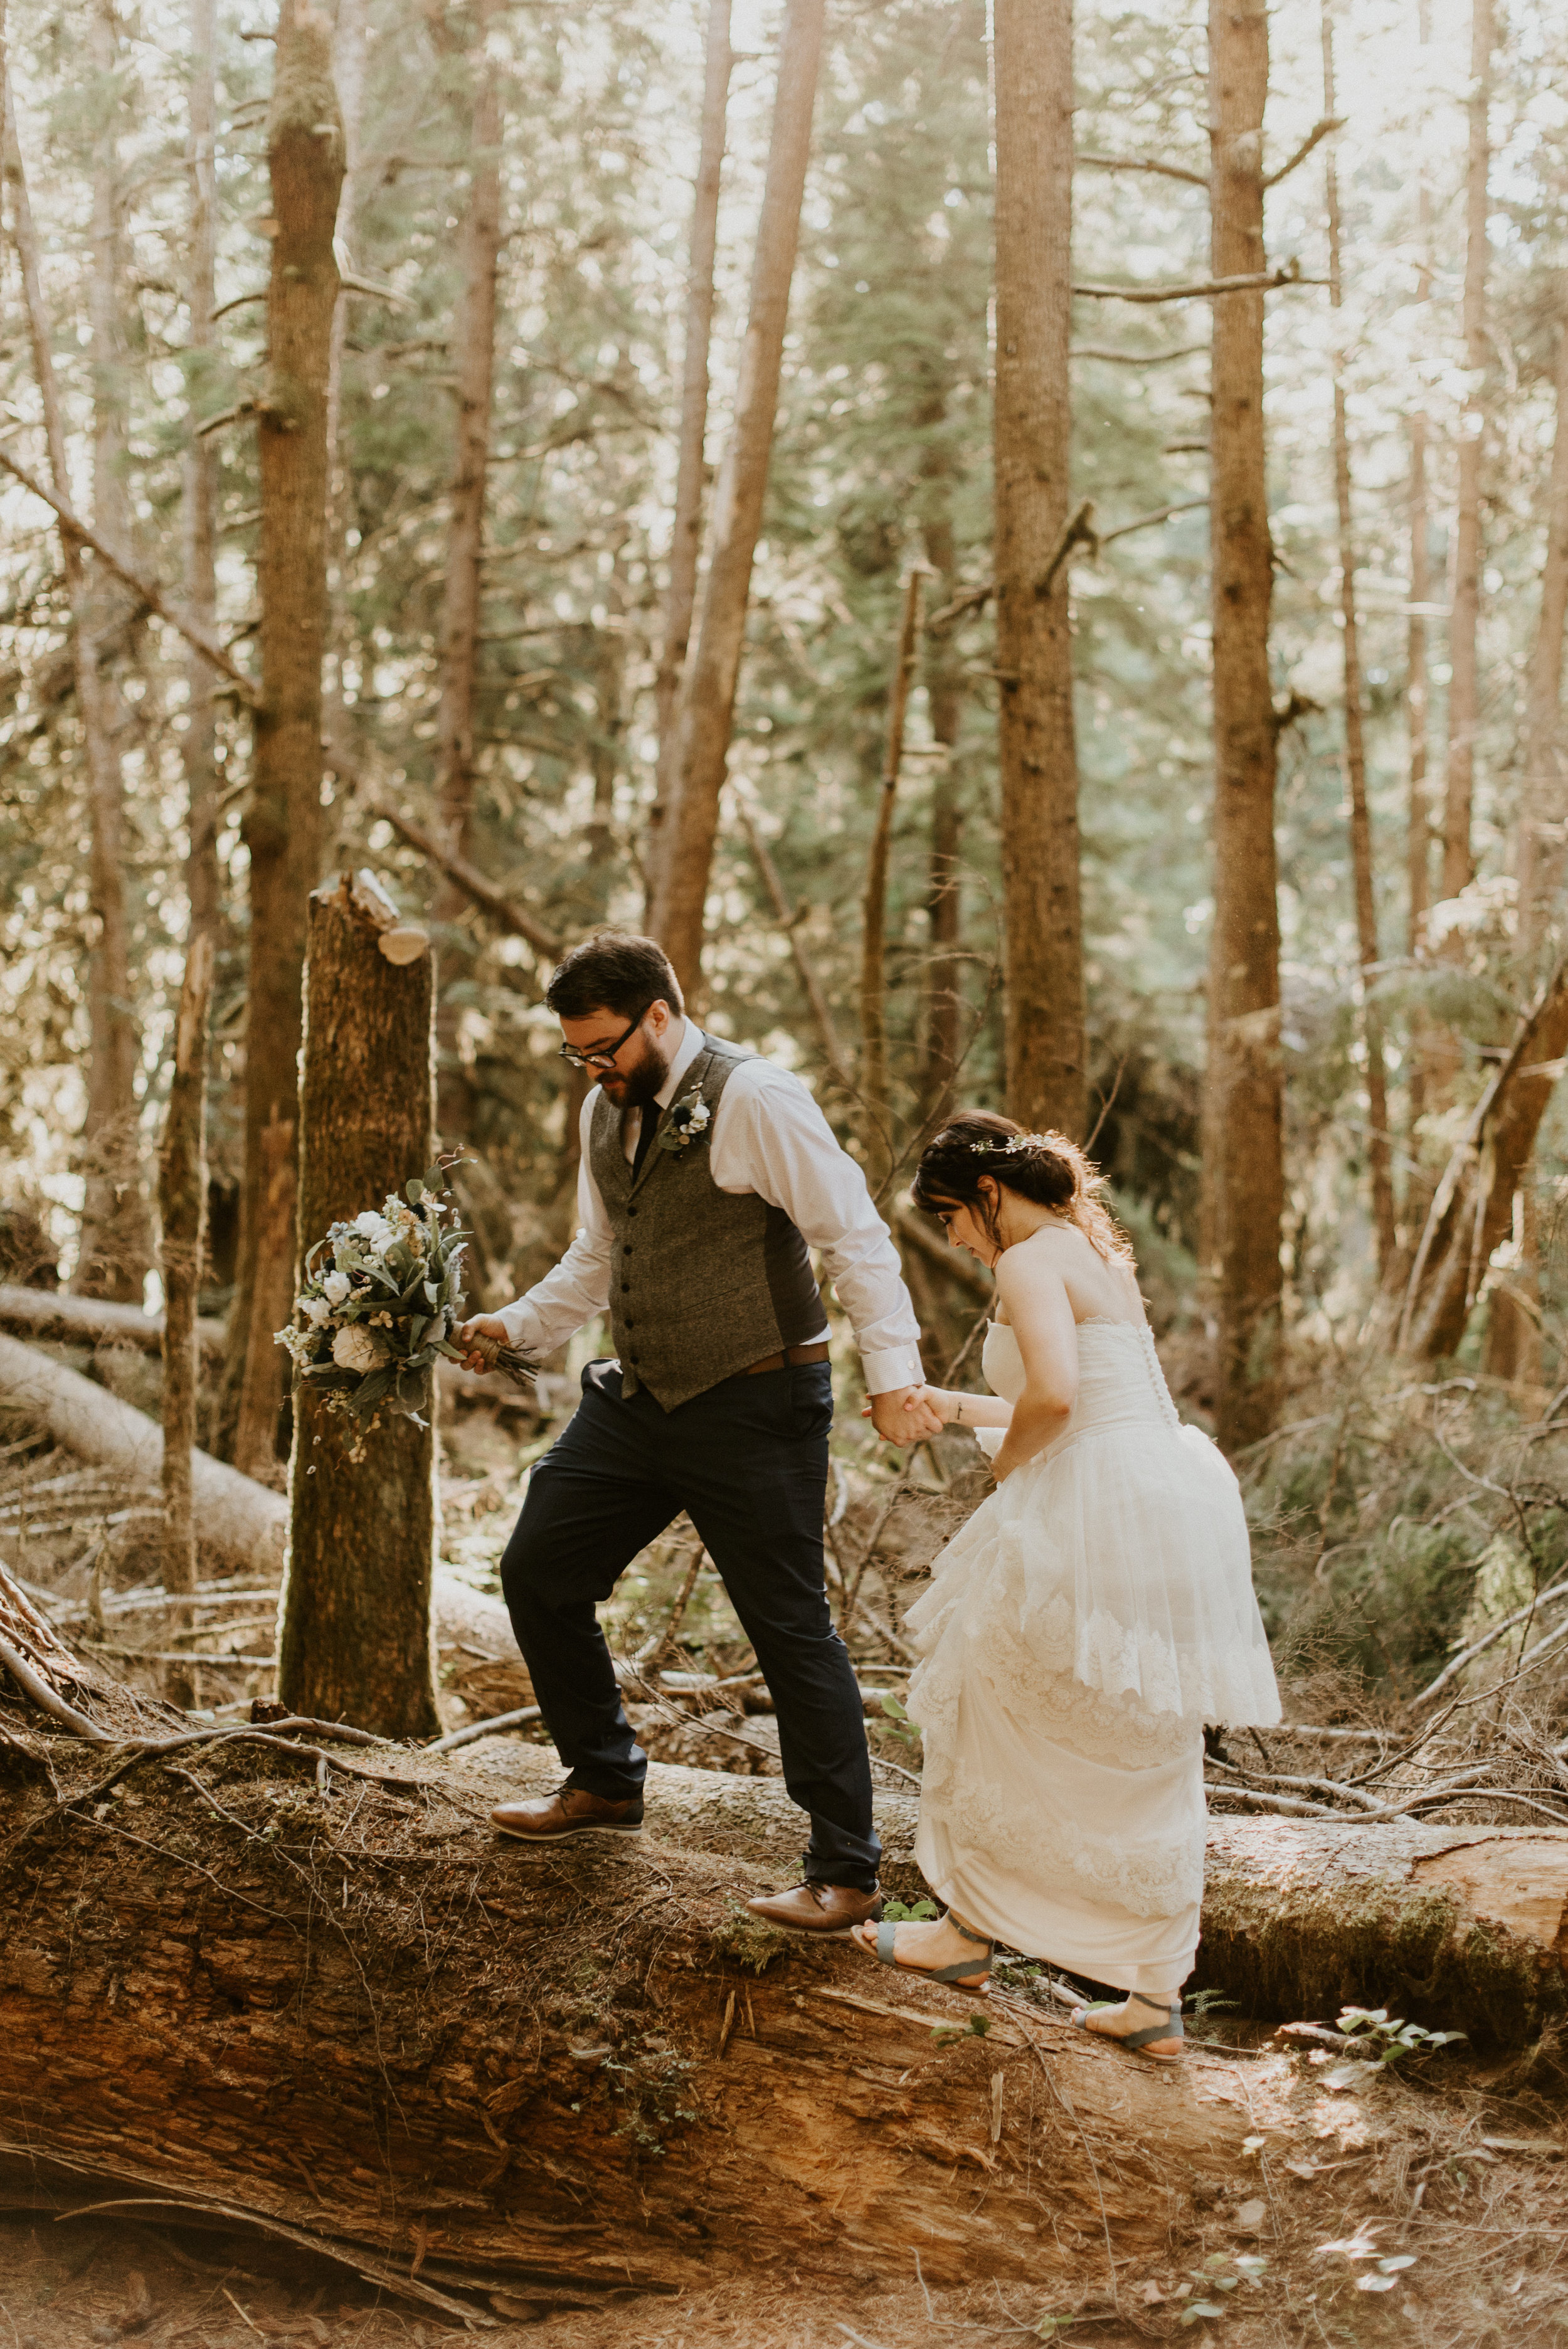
[904, 1415]
[483, 1325]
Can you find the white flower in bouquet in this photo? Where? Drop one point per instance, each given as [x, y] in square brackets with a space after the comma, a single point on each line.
[316, 1310]
[335, 1288]
[359, 1349]
[375, 1229]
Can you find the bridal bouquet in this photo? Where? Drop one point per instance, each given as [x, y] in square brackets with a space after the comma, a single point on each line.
[379, 1301]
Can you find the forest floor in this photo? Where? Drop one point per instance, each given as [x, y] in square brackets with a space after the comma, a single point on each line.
[1418, 2217]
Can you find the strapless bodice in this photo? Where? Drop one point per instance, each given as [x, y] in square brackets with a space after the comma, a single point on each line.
[1121, 1382]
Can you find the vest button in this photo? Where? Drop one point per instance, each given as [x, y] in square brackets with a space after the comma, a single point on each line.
[631, 1358]
[631, 1211]
[625, 1285]
[629, 1325]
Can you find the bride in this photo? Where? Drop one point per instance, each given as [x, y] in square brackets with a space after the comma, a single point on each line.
[1095, 1611]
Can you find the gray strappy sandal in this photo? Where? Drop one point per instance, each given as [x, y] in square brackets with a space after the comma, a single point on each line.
[1137, 2042]
[887, 1935]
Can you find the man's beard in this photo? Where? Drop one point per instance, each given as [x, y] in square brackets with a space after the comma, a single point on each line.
[638, 1085]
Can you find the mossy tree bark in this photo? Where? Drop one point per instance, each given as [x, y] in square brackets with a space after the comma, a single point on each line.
[355, 1639]
[283, 825]
[1042, 916]
[1243, 1142]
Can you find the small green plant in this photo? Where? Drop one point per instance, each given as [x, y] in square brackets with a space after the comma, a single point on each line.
[897, 1718]
[749, 1940]
[1209, 2001]
[1393, 2039]
[975, 2027]
[899, 1912]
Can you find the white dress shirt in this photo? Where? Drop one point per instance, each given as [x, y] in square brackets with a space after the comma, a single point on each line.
[768, 1137]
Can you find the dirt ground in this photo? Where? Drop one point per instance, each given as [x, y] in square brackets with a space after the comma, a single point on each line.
[1429, 2210]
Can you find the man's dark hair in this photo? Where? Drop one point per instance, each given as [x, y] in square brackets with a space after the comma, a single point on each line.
[612, 971]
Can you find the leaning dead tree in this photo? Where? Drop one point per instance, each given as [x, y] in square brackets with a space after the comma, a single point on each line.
[356, 1625]
[706, 708]
[1472, 1207]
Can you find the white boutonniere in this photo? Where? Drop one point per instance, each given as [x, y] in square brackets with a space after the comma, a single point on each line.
[687, 1122]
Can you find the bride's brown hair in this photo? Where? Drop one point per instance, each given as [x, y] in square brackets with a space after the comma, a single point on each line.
[1045, 1168]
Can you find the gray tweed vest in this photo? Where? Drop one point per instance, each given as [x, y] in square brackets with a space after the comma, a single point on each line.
[703, 1282]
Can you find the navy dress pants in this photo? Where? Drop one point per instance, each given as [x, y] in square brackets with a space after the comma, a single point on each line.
[748, 1463]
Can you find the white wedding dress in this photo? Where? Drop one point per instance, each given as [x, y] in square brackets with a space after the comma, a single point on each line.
[1093, 1612]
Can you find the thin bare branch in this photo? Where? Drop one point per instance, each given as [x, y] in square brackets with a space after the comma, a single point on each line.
[1319, 130]
[149, 592]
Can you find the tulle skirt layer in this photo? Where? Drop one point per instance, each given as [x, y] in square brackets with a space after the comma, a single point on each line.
[1093, 1612]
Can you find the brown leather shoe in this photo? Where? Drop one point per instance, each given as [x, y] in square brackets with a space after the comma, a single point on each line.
[556, 1818]
[818, 1908]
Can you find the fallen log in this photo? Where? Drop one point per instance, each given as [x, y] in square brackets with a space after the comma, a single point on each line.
[244, 1522]
[362, 2024]
[90, 1322]
[317, 1996]
[233, 1515]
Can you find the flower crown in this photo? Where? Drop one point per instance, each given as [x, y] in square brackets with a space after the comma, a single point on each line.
[1015, 1145]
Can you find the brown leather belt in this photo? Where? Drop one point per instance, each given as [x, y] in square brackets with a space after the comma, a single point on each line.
[817, 1353]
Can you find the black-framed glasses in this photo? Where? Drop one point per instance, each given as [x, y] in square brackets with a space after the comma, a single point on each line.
[605, 1057]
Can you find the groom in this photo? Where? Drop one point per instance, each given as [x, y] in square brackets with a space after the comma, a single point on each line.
[708, 1175]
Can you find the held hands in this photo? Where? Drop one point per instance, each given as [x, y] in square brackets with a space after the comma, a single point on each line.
[905, 1415]
[483, 1325]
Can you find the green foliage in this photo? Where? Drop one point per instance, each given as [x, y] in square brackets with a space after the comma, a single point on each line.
[1393, 2039]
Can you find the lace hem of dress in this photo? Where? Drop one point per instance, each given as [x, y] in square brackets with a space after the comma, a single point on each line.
[1152, 1878]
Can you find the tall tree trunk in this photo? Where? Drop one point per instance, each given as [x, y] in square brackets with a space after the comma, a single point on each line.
[181, 1206]
[104, 785]
[479, 244]
[356, 1637]
[1545, 809]
[942, 1021]
[706, 710]
[607, 746]
[1245, 1164]
[876, 1106]
[1419, 816]
[1042, 921]
[1458, 865]
[1377, 1150]
[685, 535]
[348, 49]
[282, 827]
[199, 743]
[1513, 1321]
[116, 1240]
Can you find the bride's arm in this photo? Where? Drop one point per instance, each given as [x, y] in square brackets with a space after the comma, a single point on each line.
[1041, 1315]
[968, 1410]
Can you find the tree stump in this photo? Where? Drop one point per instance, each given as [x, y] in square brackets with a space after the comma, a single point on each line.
[355, 1644]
